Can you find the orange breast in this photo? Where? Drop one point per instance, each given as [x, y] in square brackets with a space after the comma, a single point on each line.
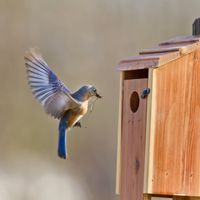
[84, 108]
[76, 115]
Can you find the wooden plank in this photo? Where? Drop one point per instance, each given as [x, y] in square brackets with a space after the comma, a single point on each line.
[146, 57]
[181, 39]
[147, 168]
[182, 48]
[157, 57]
[147, 61]
[151, 135]
[176, 122]
[118, 171]
[133, 142]
[141, 57]
[140, 64]
[162, 49]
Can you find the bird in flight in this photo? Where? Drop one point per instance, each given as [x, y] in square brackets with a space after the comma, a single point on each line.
[57, 100]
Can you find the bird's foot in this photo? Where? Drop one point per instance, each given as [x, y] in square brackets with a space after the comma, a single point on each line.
[77, 124]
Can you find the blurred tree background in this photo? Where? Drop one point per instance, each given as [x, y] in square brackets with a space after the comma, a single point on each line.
[82, 41]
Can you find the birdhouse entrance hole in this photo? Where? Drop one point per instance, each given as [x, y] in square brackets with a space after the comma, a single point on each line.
[134, 101]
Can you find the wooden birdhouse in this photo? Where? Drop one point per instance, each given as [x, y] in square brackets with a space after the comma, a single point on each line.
[159, 126]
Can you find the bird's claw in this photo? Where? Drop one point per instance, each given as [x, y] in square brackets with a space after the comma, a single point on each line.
[77, 124]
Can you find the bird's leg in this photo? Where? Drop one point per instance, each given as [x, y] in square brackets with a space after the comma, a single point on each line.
[77, 124]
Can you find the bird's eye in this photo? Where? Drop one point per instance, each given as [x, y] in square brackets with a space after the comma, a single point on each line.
[94, 90]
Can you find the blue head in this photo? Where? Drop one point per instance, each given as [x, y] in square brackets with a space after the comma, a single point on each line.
[85, 92]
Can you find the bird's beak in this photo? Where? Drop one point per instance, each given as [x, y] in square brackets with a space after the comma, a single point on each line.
[98, 96]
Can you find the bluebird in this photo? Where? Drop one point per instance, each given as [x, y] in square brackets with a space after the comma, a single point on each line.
[57, 100]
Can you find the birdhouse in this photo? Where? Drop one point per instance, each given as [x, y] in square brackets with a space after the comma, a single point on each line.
[159, 121]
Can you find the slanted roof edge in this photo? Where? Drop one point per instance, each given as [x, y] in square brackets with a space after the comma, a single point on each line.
[152, 58]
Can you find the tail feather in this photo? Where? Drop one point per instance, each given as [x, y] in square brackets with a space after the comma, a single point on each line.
[62, 149]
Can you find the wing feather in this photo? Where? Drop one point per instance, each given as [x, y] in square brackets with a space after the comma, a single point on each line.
[46, 87]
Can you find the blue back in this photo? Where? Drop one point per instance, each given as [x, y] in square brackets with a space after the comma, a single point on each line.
[81, 94]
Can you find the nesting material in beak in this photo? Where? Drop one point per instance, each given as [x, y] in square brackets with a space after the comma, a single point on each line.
[98, 96]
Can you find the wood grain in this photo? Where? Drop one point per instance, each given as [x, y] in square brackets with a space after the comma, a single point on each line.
[149, 138]
[133, 142]
[176, 163]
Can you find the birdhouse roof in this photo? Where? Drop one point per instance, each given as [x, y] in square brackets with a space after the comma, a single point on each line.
[165, 52]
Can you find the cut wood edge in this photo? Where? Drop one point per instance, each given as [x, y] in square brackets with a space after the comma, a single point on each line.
[138, 64]
[189, 48]
[147, 145]
[162, 49]
[153, 58]
[118, 170]
[151, 141]
[181, 39]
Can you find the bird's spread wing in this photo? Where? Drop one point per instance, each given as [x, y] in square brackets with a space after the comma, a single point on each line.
[46, 87]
